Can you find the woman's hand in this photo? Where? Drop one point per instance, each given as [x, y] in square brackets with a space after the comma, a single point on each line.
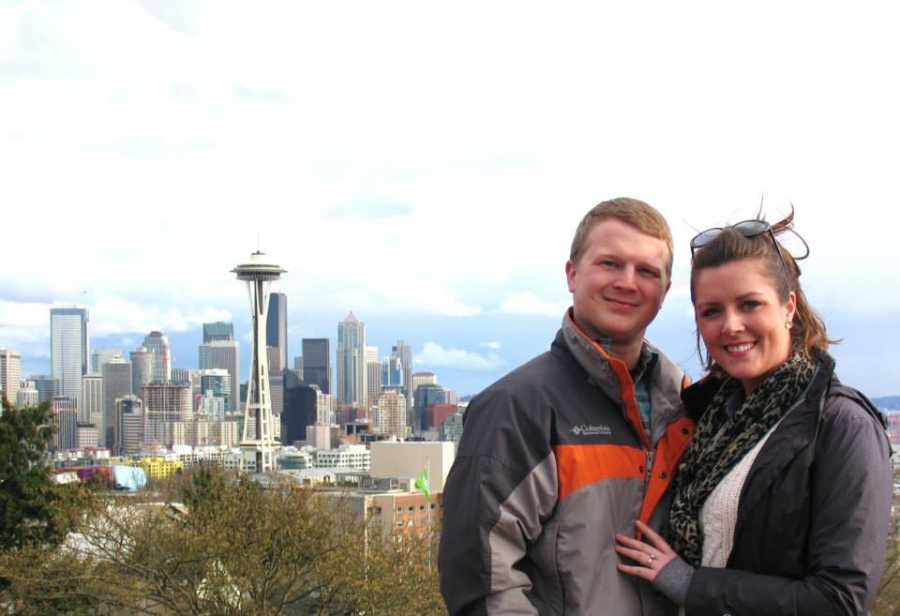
[650, 555]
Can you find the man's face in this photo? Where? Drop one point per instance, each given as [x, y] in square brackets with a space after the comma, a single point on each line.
[619, 282]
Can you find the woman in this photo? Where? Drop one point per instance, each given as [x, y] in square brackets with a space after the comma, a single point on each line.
[782, 501]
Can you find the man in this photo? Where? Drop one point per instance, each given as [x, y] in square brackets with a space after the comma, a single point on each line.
[574, 446]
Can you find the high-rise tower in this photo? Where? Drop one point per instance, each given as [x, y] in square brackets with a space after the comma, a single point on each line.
[69, 349]
[317, 363]
[158, 344]
[258, 442]
[276, 329]
[351, 361]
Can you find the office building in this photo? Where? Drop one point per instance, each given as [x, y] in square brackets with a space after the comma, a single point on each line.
[218, 330]
[391, 413]
[129, 422]
[317, 363]
[373, 377]
[158, 344]
[91, 409]
[10, 374]
[101, 356]
[216, 382]
[86, 435]
[223, 355]
[164, 404]
[64, 415]
[403, 353]
[298, 364]
[46, 385]
[69, 349]
[408, 459]
[116, 384]
[276, 331]
[426, 395]
[351, 362]
[27, 395]
[141, 369]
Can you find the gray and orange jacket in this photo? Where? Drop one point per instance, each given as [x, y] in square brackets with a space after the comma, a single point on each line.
[554, 460]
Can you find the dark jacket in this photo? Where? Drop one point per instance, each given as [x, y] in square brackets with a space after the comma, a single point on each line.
[553, 461]
[813, 514]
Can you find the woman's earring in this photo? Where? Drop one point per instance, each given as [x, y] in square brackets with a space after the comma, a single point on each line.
[787, 324]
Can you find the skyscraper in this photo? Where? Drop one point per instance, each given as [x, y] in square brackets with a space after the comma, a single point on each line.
[116, 384]
[403, 352]
[217, 382]
[373, 376]
[91, 409]
[141, 370]
[392, 413]
[225, 355]
[69, 349]
[10, 374]
[46, 385]
[276, 329]
[158, 343]
[317, 363]
[63, 415]
[351, 361]
[100, 357]
[165, 404]
[218, 330]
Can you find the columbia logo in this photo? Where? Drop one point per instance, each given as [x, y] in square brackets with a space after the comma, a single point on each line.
[590, 430]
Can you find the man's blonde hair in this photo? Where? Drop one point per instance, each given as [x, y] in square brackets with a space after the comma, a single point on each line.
[640, 215]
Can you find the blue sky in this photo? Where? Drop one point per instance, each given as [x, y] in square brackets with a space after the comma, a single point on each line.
[426, 166]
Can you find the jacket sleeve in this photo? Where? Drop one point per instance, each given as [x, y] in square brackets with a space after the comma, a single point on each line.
[850, 491]
[500, 491]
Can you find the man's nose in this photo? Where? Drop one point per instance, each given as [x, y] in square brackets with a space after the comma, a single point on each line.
[626, 277]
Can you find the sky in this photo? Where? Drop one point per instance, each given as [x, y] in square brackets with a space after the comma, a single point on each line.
[425, 165]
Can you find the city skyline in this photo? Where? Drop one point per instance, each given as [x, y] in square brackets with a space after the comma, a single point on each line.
[438, 208]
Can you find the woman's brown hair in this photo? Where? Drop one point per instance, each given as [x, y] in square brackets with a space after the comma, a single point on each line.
[779, 266]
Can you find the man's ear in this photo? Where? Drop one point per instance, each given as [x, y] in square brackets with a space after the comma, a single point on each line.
[570, 275]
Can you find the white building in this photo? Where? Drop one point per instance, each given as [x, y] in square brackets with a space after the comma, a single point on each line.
[408, 459]
[10, 374]
[158, 344]
[391, 413]
[69, 349]
[27, 395]
[356, 457]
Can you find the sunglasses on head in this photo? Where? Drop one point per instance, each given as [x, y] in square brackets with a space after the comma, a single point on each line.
[748, 229]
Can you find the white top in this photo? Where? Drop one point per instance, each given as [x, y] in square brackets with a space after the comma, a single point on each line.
[718, 516]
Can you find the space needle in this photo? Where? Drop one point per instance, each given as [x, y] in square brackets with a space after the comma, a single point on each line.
[258, 439]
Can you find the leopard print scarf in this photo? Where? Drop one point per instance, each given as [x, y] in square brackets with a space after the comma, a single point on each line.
[720, 441]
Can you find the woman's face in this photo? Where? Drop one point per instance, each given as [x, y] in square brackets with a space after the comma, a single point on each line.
[742, 321]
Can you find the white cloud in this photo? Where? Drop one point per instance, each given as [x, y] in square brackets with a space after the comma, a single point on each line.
[528, 303]
[491, 345]
[433, 354]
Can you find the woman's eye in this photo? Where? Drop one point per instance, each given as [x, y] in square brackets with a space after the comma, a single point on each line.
[749, 304]
[709, 312]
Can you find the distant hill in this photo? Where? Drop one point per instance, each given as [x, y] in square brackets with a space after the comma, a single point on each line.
[890, 403]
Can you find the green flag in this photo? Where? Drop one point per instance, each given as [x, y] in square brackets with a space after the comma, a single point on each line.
[422, 483]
